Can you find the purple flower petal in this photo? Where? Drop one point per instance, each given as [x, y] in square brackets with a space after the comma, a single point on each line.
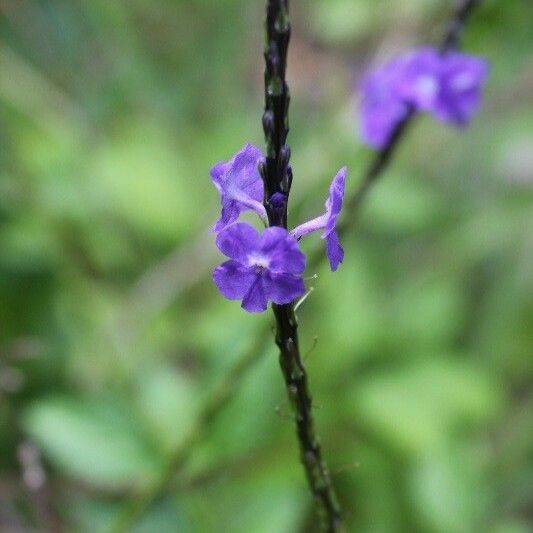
[282, 250]
[239, 184]
[238, 241]
[334, 250]
[417, 79]
[284, 288]
[233, 279]
[335, 198]
[462, 81]
[381, 108]
[255, 300]
[217, 174]
[230, 213]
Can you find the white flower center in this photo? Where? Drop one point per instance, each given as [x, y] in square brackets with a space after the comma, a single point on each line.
[427, 86]
[259, 261]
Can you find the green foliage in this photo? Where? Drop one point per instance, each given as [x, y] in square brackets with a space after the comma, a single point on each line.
[94, 441]
[112, 335]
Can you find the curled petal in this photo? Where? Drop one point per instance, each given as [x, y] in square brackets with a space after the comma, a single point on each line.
[328, 220]
[334, 250]
[230, 213]
[335, 198]
[218, 172]
[240, 185]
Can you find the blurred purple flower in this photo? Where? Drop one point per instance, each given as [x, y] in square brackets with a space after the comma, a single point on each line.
[328, 220]
[240, 185]
[262, 267]
[448, 85]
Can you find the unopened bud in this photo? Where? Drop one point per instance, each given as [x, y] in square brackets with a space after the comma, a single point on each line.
[286, 182]
[261, 167]
[268, 122]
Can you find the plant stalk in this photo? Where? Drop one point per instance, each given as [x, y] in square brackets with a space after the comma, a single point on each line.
[277, 177]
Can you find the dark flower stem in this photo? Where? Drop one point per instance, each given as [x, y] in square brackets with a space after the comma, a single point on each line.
[455, 29]
[277, 176]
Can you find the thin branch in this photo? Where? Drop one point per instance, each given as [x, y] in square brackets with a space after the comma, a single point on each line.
[463, 11]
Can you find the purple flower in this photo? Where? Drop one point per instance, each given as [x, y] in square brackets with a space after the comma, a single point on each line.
[262, 267]
[240, 185]
[448, 85]
[328, 220]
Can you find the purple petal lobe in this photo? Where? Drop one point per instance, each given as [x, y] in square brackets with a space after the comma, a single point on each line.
[335, 198]
[218, 172]
[255, 300]
[230, 213]
[233, 279]
[238, 241]
[417, 79]
[334, 250]
[282, 250]
[284, 288]
[462, 81]
[381, 108]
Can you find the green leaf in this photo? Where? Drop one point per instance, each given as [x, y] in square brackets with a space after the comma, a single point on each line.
[94, 441]
[418, 408]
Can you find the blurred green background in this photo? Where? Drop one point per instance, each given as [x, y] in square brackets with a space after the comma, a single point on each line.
[113, 337]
